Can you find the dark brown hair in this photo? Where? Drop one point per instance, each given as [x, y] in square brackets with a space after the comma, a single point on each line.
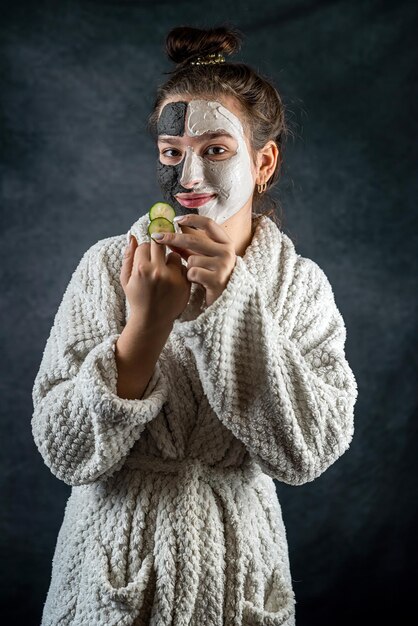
[260, 103]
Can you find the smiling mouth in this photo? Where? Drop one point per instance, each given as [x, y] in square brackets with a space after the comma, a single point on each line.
[193, 194]
[194, 200]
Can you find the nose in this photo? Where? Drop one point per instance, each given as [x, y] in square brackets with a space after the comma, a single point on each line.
[192, 173]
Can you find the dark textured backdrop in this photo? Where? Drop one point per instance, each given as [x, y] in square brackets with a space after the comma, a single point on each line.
[77, 83]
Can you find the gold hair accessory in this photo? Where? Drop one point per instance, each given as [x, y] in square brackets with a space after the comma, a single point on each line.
[209, 59]
[262, 188]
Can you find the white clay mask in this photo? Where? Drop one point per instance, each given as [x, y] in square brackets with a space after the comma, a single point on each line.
[231, 179]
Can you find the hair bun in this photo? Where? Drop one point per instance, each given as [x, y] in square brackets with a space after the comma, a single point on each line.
[185, 43]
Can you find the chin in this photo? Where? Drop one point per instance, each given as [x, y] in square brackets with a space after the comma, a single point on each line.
[182, 210]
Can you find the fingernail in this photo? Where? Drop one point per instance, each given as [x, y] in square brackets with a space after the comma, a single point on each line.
[128, 237]
[157, 235]
[179, 218]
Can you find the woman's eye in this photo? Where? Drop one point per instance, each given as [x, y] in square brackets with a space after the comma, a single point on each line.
[173, 156]
[217, 148]
[164, 153]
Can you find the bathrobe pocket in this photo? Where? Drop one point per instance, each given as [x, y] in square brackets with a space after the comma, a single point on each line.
[100, 602]
[278, 607]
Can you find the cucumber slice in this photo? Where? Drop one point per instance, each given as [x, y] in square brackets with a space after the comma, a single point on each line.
[160, 225]
[162, 209]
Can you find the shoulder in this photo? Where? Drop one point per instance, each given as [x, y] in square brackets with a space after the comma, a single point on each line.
[314, 275]
[308, 283]
[306, 267]
[97, 273]
[106, 255]
[107, 251]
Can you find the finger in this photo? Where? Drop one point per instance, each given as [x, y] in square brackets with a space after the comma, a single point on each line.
[183, 252]
[199, 244]
[173, 258]
[158, 252]
[206, 262]
[142, 254]
[207, 224]
[206, 278]
[128, 260]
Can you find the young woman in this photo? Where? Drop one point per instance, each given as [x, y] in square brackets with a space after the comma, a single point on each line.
[182, 376]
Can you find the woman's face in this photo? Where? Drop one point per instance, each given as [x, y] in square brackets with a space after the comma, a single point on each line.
[203, 149]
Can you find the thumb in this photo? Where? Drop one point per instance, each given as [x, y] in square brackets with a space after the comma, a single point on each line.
[128, 259]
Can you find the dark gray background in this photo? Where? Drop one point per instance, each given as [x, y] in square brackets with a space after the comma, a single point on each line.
[77, 84]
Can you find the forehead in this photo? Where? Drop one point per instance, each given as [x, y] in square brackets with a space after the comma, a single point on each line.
[197, 117]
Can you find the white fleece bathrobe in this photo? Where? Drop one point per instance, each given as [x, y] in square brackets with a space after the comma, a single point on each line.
[173, 518]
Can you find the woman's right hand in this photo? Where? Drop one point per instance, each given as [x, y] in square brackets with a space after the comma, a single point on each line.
[156, 286]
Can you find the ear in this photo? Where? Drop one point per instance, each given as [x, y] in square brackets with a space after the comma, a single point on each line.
[267, 160]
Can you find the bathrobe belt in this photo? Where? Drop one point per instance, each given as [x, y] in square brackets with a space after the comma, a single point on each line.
[189, 524]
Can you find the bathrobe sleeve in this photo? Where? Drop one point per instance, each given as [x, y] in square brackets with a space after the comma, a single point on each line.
[279, 381]
[82, 429]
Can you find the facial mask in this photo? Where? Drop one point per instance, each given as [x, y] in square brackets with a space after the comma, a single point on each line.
[231, 179]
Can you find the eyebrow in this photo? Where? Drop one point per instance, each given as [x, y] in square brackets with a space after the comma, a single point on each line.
[204, 136]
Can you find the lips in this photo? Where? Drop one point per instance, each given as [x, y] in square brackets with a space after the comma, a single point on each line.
[194, 200]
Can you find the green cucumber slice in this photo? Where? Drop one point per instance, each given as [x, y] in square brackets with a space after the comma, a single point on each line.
[162, 209]
[160, 225]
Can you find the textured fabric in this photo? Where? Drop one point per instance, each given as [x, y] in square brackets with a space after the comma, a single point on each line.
[173, 517]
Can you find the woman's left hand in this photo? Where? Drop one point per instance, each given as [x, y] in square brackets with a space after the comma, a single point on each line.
[210, 258]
